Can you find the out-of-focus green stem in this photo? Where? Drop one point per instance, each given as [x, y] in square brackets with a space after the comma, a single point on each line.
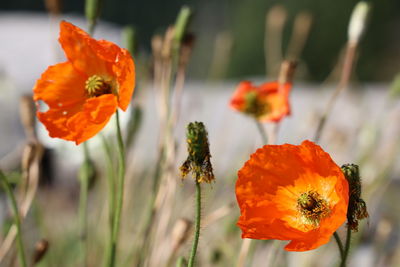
[92, 12]
[111, 191]
[197, 226]
[346, 248]
[17, 218]
[84, 176]
[180, 26]
[119, 195]
[339, 243]
[263, 134]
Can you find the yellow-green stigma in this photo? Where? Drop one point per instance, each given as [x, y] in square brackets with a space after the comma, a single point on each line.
[313, 207]
[254, 106]
[97, 86]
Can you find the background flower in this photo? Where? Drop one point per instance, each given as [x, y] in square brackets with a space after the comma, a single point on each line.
[267, 102]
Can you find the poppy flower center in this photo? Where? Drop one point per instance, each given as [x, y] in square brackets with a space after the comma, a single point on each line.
[255, 106]
[97, 86]
[313, 207]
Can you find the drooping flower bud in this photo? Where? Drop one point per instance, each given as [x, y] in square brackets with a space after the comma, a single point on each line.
[358, 21]
[357, 209]
[198, 161]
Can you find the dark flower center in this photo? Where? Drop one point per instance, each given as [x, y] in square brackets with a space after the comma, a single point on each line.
[255, 106]
[313, 207]
[97, 86]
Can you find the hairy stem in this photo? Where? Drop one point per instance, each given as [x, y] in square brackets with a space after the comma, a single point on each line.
[262, 132]
[340, 244]
[197, 226]
[346, 248]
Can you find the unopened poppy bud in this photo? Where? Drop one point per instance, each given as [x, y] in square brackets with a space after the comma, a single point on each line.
[198, 161]
[41, 248]
[357, 209]
[358, 21]
[180, 27]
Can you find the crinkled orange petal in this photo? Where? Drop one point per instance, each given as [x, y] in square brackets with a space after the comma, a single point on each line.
[268, 188]
[124, 69]
[272, 93]
[99, 57]
[95, 114]
[238, 99]
[77, 46]
[60, 86]
[278, 100]
[62, 89]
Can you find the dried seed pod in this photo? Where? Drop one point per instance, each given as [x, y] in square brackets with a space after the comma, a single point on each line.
[41, 248]
[357, 209]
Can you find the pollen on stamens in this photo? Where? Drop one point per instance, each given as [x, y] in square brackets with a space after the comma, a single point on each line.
[313, 207]
[96, 86]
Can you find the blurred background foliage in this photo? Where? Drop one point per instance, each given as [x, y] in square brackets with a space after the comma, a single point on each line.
[243, 22]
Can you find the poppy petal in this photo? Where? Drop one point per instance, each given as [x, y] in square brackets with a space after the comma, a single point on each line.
[60, 86]
[269, 188]
[93, 118]
[78, 47]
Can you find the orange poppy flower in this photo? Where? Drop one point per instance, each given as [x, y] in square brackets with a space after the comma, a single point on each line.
[85, 91]
[290, 192]
[267, 102]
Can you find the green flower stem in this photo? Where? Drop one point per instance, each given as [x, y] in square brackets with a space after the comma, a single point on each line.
[340, 245]
[263, 134]
[346, 248]
[197, 226]
[84, 177]
[119, 195]
[17, 219]
[111, 192]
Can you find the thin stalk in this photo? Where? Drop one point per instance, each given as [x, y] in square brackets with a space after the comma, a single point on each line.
[83, 202]
[346, 248]
[111, 192]
[17, 219]
[340, 245]
[244, 251]
[119, 195]
[197, 226]
[262, 132]
[344, 80]
[151, 211]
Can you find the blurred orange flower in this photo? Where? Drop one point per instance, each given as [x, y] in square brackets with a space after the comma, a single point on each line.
[267, 102]
[290, 192]
[84, 92]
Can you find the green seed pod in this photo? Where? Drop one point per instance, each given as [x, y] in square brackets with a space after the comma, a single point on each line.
[198, 161]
